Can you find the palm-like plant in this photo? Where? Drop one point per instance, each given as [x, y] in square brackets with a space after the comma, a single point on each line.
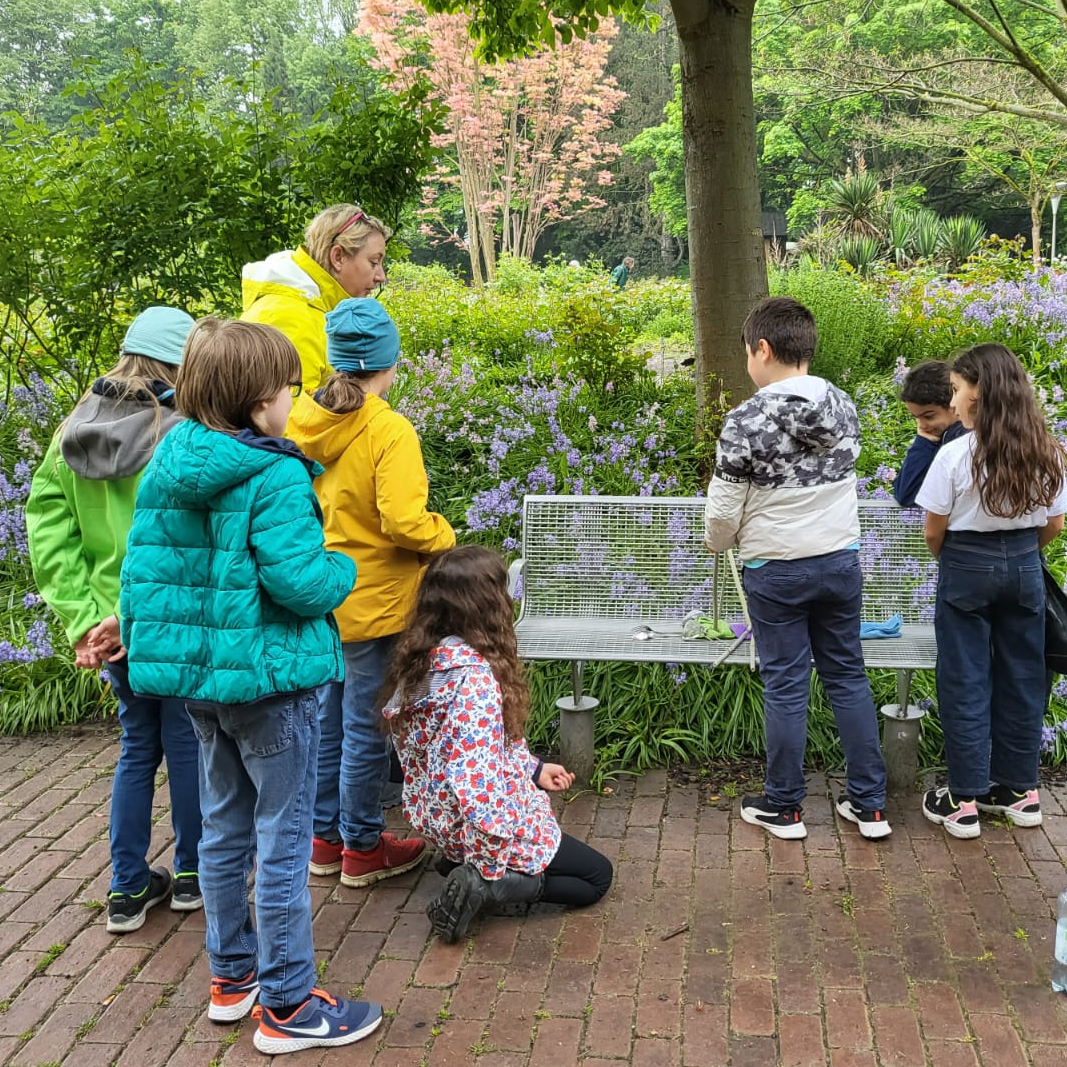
[926, 233]
[860, 251]
[961, 236]
[856, 202]
[900, 235]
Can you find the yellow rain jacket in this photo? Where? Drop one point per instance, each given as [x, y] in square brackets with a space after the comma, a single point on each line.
[373, 496]
[291, 291]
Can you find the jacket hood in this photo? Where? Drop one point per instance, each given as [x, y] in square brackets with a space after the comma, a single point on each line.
[112, 434]
[811, 410]
[290, 273]
[277, 270]
[453, 652]
[196, 464]
[324, 435]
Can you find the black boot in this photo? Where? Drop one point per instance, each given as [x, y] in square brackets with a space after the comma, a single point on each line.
[466, 893]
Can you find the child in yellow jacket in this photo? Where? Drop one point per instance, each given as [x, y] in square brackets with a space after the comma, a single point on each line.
[374, 499]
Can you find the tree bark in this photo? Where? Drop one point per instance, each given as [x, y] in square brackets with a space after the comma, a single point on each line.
[728, 270]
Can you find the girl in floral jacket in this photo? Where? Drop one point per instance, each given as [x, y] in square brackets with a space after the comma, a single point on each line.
[471, 785]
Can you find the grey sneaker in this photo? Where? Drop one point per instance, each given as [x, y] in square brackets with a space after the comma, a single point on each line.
[186, 895]
[126, 911]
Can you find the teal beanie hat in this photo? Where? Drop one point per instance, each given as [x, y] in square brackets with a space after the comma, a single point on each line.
[360, 335]
[158, 333]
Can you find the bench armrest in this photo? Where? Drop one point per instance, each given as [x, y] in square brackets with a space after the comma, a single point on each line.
[514, 574]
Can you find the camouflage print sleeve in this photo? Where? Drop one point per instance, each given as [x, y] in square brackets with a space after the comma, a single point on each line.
[733, 453]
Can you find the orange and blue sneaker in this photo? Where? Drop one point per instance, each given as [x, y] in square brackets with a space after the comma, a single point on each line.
[232, 998]
[321, 1021]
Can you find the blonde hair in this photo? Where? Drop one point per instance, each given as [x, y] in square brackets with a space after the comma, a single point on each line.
[323, 232]
[343, 391]
[133, 376]
[230, 367]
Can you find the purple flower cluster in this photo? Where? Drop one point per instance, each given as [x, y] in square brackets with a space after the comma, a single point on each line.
[38, 645]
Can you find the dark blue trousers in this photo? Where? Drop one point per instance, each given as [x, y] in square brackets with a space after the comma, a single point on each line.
[805, 609]
[990, 628]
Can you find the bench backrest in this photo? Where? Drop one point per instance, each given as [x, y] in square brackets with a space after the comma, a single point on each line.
[638, 558]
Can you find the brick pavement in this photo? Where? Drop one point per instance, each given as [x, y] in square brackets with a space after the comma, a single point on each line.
[919, 950]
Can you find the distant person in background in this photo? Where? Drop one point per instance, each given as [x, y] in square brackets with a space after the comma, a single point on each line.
[621, 274]
[343, 255]
[927, 394]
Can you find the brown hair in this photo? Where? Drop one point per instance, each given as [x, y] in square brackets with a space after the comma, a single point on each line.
[1017, 464]
[133, 376]
[229, 367]
[343, 391]
[333, 226]
[464, 593]
[786, 325]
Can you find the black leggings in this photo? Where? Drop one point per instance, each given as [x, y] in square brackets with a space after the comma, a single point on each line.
[578, 875]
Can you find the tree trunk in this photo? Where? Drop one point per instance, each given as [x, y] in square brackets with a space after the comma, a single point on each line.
[722, 190]
[1036, 207]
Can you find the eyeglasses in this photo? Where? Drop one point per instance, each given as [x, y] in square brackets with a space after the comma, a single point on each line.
[296, 388]
[360, 214]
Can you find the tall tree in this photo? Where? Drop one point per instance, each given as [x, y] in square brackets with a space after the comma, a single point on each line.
[726, 243]
[524, 145]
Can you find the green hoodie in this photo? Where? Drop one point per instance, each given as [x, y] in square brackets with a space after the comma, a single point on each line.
[80, 508]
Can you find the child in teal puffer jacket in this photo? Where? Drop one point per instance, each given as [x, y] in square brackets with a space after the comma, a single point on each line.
[227, 591]
[78, 517]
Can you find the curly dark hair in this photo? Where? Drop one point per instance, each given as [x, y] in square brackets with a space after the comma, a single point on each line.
[1018, 464]
[464, 594]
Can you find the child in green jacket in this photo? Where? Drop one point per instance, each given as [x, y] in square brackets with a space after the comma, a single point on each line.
[227, 591]
[78, 517]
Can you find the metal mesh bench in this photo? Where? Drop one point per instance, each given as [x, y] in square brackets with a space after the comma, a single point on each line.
[594, 568]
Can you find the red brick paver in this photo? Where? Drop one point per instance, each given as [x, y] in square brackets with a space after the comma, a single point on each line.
[717, 947]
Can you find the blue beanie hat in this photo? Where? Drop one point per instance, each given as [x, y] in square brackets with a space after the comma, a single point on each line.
[360, 335]
[158, 333]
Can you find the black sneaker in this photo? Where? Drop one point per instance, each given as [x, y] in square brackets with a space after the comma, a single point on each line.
[958, 817]
[872, 823]
[186, 895]
[126, 911]
[787, 823]
[1023, 809]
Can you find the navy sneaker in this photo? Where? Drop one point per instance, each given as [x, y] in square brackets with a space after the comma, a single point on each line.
[321, 1021]
[232, 998]
[872, 822]
[186, 895]
[787, 823]
[126, 911]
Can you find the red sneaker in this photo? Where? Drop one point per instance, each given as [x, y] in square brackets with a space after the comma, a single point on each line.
[325, 856]
[391, 856]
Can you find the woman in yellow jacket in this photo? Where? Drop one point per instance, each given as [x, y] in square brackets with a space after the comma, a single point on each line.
[343, 255]
[373, 495]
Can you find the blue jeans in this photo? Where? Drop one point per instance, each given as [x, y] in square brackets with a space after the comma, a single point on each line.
[257, 781]
[990, 627]
[152, 727]
[353, 751]
[804, 609]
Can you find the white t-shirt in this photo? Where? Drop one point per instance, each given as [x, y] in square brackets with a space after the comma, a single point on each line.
[949, 489]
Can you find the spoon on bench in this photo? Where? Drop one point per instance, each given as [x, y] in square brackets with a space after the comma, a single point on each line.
[646, 633]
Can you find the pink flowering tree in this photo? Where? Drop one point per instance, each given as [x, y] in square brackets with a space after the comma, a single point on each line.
[523, 148]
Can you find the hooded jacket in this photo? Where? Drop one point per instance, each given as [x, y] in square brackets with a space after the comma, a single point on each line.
[290, 291]
[226, 587]
[468, 788]
[784, 485]
[373, 494]
[80, 507]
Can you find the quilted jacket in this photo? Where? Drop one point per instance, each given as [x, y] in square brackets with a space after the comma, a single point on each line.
[227, 587]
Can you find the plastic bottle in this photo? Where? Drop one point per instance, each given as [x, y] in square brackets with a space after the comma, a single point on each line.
[1059, 962]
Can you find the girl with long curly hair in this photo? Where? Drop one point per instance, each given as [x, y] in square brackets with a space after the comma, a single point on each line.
[471, 785]
[993, 498]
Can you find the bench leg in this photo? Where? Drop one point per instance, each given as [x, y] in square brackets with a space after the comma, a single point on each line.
[576, 726]
[900, 738]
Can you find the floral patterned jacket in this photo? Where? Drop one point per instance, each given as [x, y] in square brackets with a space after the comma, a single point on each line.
[467, 788]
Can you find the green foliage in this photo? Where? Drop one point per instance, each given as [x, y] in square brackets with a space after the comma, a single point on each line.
[662, 146]
[961, 237]
[856, 335]
[145, 197]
